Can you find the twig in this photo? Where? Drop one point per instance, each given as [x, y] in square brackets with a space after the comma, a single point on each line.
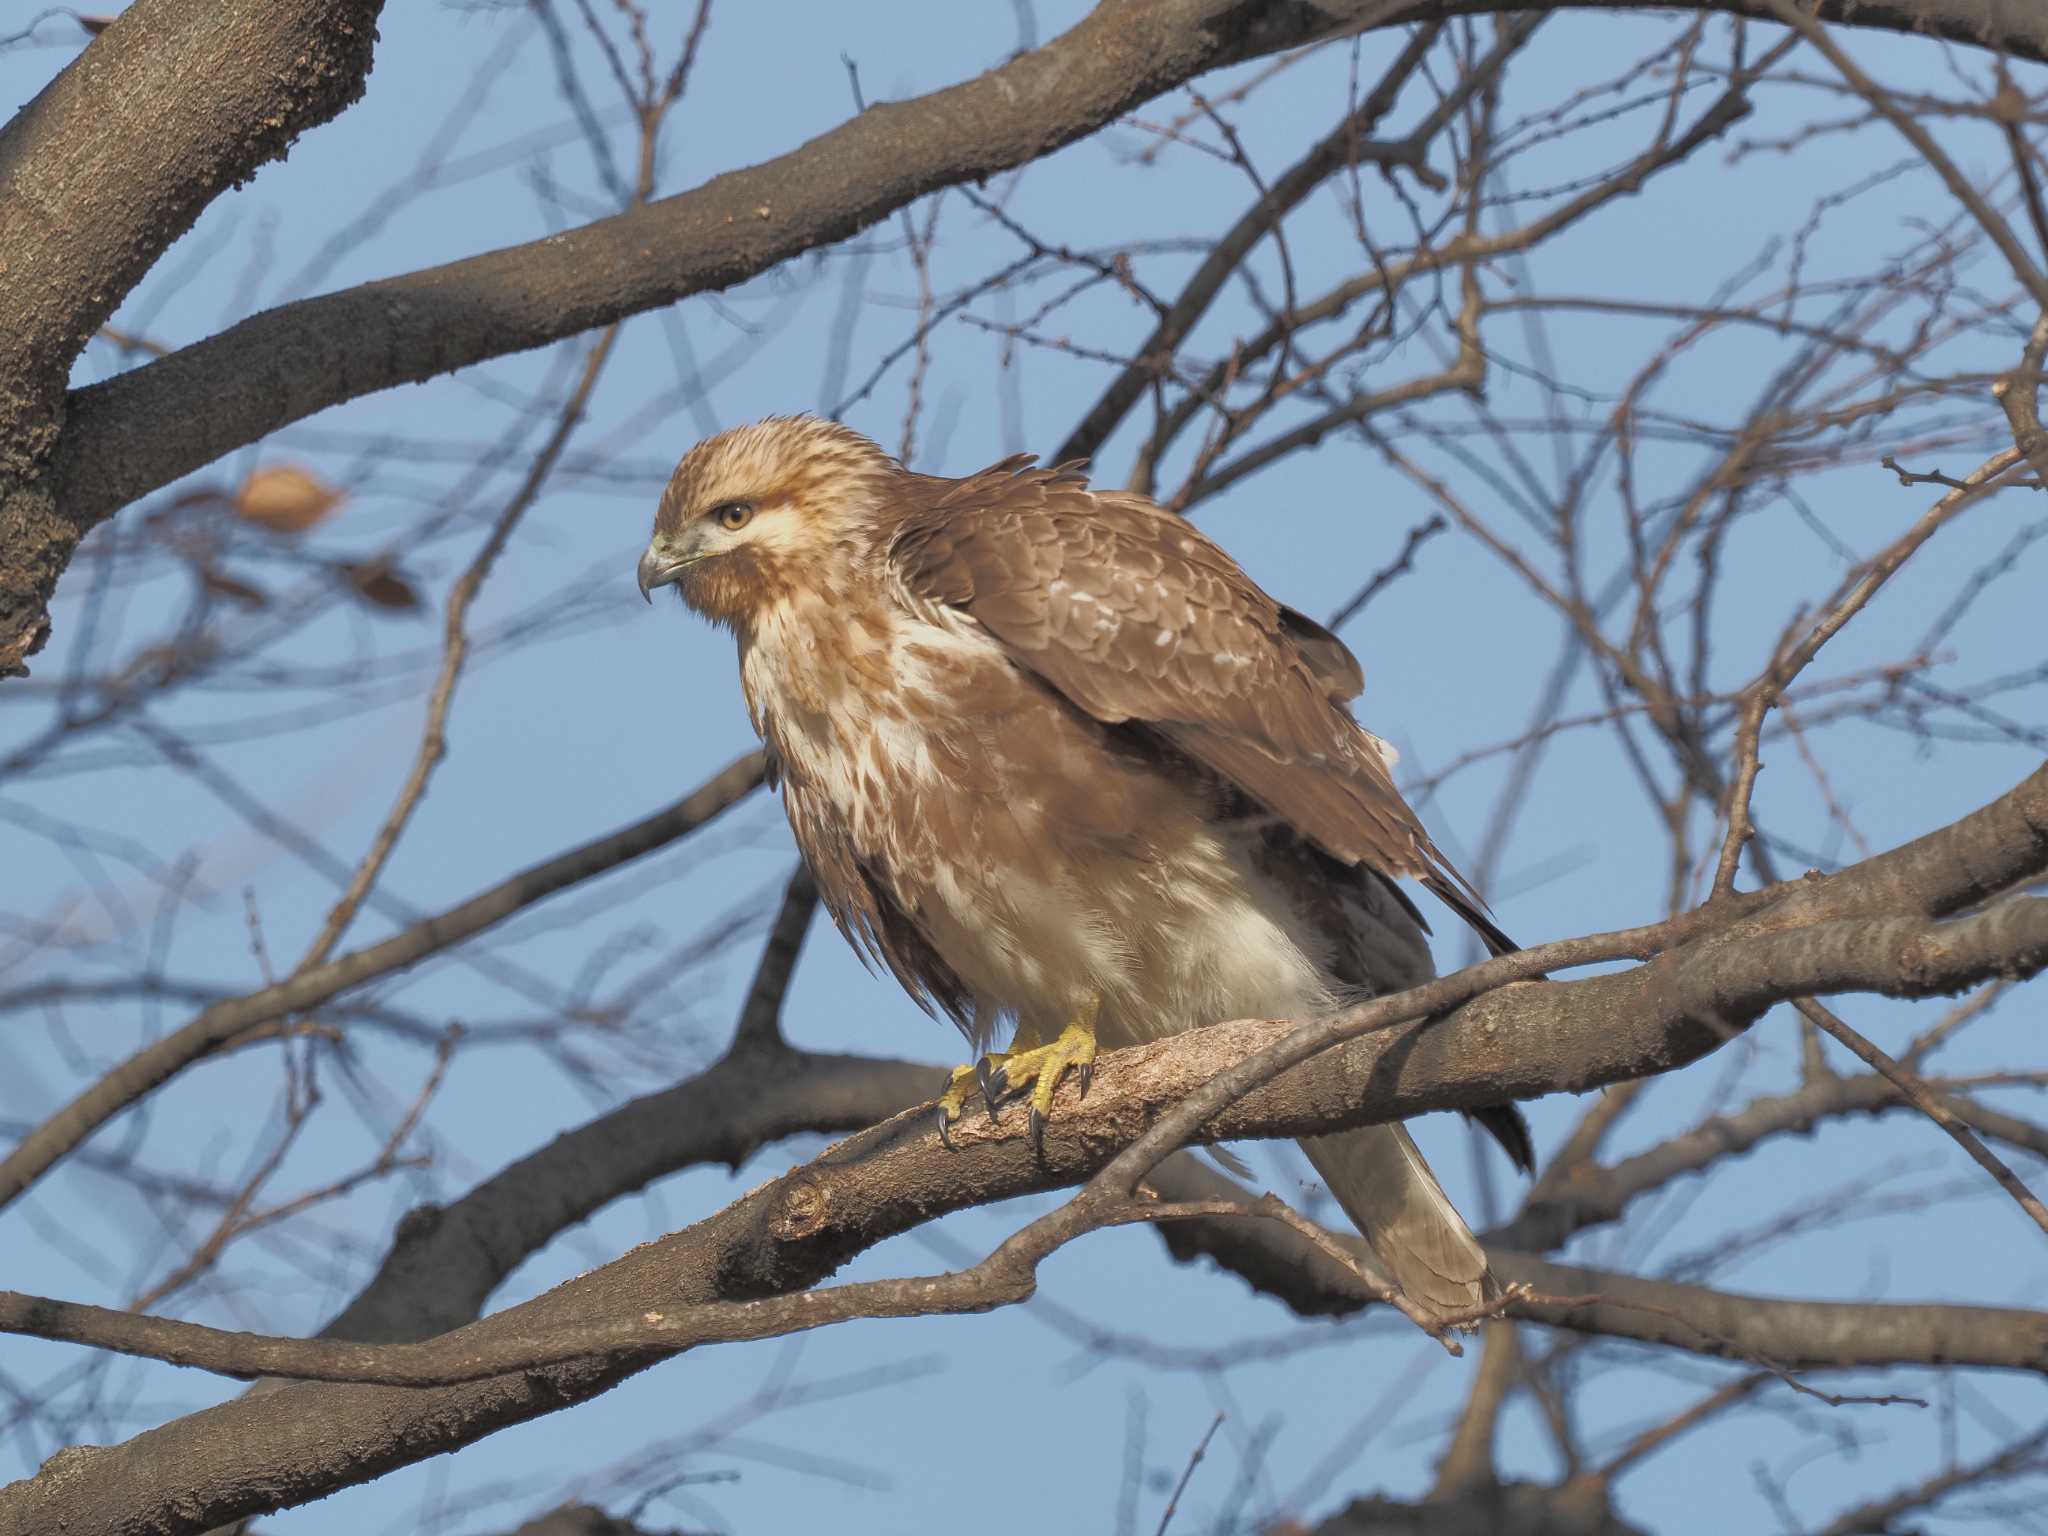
[651, 109]
[1914, 1089]
[1915, 133]
[1187, 1473]
[158, 1062]
[1883, 1514]
[1724, 1346]
[1328, 156]
[1660, 1435]
[2008, 107]
[2019, 393]
[434, 737]
[1910, 477]
[1792, 659]
[1402, 563]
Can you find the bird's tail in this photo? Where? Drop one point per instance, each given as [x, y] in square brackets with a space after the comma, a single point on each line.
[1378, 1176]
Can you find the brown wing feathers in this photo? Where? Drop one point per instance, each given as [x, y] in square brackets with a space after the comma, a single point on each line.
[1133, 615]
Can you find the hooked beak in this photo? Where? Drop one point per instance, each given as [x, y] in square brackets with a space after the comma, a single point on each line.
[661, 570]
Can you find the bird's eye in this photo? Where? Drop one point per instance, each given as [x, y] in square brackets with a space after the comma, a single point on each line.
[734, 515]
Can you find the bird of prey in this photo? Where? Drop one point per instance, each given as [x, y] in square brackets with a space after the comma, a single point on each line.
[1059, 763]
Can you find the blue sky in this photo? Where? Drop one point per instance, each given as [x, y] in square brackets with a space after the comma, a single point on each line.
[603, 710]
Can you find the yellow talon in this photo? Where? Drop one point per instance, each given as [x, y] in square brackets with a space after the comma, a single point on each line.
[1042, 1066]
[1045, 1065]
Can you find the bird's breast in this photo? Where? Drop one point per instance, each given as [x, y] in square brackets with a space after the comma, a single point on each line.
[1049, 859]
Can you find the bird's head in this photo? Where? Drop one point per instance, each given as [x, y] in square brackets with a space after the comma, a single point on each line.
[757, 513]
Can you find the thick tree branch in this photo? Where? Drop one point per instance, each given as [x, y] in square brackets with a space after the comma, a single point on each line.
[1793, 1335]
[1145, 1088]
[147, 427]
[447, 1261]
[305, 1440]
[118, 155]
[110, 163]
[1989, 851]
[2015, 27]
[155, 423]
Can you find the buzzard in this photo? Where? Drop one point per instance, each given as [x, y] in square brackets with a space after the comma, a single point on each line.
[1057, 762]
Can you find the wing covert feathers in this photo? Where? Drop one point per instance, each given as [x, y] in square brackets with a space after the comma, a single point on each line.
[1134, 616]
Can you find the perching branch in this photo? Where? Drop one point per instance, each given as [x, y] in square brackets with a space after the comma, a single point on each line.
[744, 1272]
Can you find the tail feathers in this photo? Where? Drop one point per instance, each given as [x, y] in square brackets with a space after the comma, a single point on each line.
[1387, 1190]
[1464, 901]
[1508, 1126]
[1504, 1121]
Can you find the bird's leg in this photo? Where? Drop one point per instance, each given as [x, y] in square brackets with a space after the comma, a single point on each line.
[1043, 1066]
[1026, 1061]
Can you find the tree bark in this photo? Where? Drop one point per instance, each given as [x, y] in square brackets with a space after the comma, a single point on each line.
[1729, 965]
[295, 63]
[110, 164]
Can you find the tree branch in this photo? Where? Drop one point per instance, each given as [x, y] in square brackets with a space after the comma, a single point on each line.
[163, 1059]
[110, 164]
[1914, 1091]
[83, 227]
[145, 428]
[1793, 1335]
[733, 1275]
[1595, 1195]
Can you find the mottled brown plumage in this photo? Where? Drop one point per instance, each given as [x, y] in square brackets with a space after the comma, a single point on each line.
[1053, 756]
[1133, 614]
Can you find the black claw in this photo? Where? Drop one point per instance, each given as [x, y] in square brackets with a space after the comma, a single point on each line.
[945, 1131]
[1037, 1127]
[1087, 1076]
[993, 1081]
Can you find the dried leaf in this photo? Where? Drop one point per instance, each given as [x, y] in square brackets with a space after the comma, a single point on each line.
[286, 498]
[224, 585]
[380, 586]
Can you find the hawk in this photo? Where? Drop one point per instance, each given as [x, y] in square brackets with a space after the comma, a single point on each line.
[1061, 765]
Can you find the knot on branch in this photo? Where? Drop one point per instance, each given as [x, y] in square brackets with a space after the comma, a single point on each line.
[802, 1212]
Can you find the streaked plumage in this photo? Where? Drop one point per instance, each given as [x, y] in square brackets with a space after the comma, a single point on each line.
[1046, 747]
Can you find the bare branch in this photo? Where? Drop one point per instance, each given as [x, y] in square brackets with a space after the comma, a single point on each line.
[224, 1022]
[1517, 1040]
[155, 423]
[1793, 659]
[1916, 1092]
[1996, 229]
[1792, 1335]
